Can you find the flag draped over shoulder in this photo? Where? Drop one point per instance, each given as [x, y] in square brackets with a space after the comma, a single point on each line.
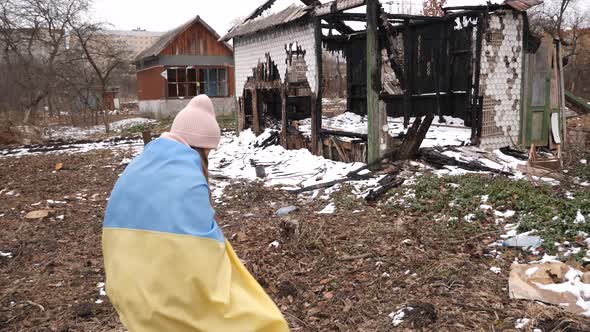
[168, 266]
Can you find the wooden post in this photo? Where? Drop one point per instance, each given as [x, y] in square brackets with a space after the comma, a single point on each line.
[373, 83]
[409, 60]
[317, 103]
[241, 114]
[561, 89]
[255, 115]
[284, 119]
[315, 133]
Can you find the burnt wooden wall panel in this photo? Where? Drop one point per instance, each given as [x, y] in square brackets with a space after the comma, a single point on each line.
[196, 40]
[150, 84]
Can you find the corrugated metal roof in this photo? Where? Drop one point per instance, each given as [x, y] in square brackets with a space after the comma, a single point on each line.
[290, 14]
[169, 36]
[339, 5]
[522, 5]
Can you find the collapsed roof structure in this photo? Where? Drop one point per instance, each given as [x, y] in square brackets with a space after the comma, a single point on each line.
[477, 63]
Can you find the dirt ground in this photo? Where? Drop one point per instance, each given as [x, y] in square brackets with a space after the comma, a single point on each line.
[345, 271]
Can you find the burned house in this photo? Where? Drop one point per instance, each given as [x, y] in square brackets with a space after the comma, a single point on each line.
[479, 64]
[183, 63]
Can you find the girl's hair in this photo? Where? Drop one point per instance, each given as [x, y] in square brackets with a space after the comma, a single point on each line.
[204, 163]
[205, 167]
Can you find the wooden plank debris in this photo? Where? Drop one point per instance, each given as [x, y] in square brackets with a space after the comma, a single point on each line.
[414, 138]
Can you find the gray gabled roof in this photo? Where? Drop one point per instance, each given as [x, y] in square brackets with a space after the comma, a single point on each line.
[290, 14]
[169, 36]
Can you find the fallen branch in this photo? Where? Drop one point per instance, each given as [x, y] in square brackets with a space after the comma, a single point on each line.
[273, 139]
[439, 161]
[354, 258]
[385, 185]
[330, 184]
[514, 153]
[36, 305]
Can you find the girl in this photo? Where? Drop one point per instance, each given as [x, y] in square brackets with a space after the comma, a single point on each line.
[168, 266]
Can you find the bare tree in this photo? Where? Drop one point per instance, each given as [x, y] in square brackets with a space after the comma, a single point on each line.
[33, 38]
[95, 50]
[577, 39]
[566, 21]
[433, 7]
[550, 16]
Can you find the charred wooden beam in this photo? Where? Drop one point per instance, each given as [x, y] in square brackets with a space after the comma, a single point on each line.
[392, 53]
[409, 61]
[261, 9]
[475, 8]
[255, 114]
[385, 185]
[284, 118]
[340, 26]
[415, 17]
[241, 115]
[477, 102]
[344, 38]
[325, 132]
[414, 138]
[439, 160]
[311, 2]
[316, 99]
[360, 17]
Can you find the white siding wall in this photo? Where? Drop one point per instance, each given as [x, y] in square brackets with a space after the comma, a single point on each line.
[501, 80]
[249, 51]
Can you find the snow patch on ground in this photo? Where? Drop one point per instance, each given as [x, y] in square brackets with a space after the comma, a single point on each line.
[521, 323]
[451, 132]
[237, 158]
[329, 209]
[79, 133]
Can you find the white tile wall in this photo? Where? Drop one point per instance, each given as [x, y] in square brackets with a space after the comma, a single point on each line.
[501, 80]
[249, 51]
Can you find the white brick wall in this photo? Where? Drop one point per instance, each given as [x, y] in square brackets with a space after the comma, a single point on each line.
[249, 51]
[501, 80]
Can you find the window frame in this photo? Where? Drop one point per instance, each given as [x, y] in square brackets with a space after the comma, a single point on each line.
[201, 83]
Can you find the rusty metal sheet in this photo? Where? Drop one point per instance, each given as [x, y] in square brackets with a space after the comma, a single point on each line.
[522, 5]
[291, 14]
[338, 5]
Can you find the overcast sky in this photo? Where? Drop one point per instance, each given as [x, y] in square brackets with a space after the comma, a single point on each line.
[163, 15]
[168, 14]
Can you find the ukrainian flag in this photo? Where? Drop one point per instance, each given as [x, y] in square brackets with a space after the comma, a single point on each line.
[168, 265]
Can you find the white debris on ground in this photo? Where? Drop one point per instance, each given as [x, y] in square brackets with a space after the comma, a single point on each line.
[496, 270]
[451, 132]
[6, 254]
[274, 244]
[238, 156]
[101, 292]
[78, 133]
[521, 323]
[397, 317]
[329, 209]
[555, 283]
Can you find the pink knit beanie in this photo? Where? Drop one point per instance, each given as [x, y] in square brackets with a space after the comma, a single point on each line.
[197, 125]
